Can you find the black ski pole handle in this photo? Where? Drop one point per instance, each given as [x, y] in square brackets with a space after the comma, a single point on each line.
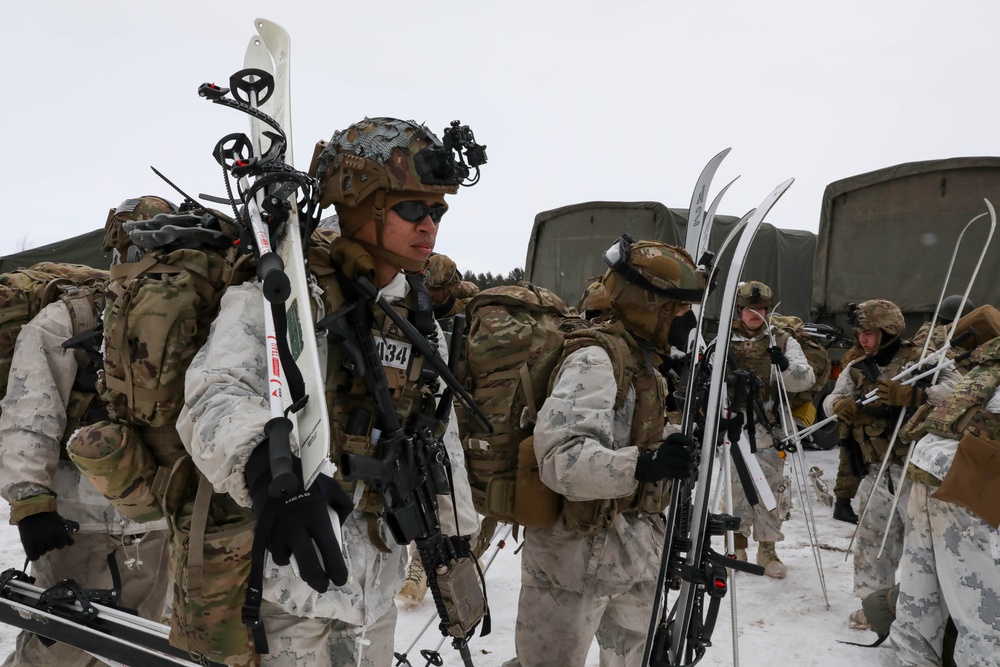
[284, 482]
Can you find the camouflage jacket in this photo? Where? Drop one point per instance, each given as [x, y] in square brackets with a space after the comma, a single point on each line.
[223, 421]
[972, 406]
[584, 449]
[751, 353]
[874, 437]
[35, 476]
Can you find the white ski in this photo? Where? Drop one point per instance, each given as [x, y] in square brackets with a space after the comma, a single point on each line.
[696, 210]
[270, 52]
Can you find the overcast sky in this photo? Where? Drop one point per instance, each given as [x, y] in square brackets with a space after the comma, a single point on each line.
[576, 100]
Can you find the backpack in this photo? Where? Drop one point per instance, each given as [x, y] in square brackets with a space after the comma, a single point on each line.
[515, 341]
[815, 352]
[158, 312]
[25, 292]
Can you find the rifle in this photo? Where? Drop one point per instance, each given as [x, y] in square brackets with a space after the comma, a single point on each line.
[413, 469]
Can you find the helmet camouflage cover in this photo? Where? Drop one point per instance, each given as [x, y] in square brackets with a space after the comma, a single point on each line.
[440, 271]
[378, 153]
[649, 285]
[754, 294]
[139, 208]
[878, 314]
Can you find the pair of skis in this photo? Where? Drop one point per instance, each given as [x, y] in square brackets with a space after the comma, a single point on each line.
[681, 635]
[65, 613]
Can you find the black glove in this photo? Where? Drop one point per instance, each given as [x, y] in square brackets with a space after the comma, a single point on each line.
[778, 358]
[299, 524]
[672, 460]
[45, 531]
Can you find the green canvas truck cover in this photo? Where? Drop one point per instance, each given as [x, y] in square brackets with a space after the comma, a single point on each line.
[567, 246]
[83, 249]
[891, 233]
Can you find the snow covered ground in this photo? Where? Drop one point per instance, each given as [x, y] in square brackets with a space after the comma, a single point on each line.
[781, 623]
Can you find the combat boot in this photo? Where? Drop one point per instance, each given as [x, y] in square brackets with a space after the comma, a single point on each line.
[740, 546]
[842, 511]
[415, 587]
[766, 556]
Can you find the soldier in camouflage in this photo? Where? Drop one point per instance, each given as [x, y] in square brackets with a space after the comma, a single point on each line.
[389, 206]
[879, 325]
[752, 348]
[67, 527]
[449, 293]
[607, 449]
[951, 555]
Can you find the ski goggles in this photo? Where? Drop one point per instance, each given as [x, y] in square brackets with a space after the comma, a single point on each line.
[415, 211]
[616, 257]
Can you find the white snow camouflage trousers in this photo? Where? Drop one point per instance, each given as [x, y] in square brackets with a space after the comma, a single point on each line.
[950, 566]
[765, 525]
[871, 572]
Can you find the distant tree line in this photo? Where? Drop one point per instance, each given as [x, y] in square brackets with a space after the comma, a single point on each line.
[486, 280]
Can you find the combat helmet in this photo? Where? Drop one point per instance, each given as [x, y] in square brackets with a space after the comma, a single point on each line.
[382, 154]
[877, 314]
[595, 302]
[952, 305]
[648, 282]
[441, 271]
[754, 294]
[138, 208]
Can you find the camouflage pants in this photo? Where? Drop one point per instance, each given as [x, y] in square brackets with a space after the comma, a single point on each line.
[298, 641]
[950, 565]
[765, 525]
[872, 572]
[144, 588]
[846, 485]
[557, 627]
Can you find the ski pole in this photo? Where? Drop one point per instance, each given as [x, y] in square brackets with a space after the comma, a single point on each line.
[798, 474]
[902, 413]
[951, 332]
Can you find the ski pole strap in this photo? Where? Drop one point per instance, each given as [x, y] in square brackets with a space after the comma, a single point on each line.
[255, 585]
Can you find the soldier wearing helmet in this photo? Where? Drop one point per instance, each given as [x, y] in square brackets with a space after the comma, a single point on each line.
[870, 428]
[387, 179]
[774, 357]
[116, 239]
[449, 293]
[67, 527]
[602, 442]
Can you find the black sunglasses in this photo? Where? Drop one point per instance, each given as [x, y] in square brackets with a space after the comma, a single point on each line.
[415, 211]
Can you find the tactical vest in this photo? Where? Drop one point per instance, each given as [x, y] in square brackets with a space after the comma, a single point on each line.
[752, 355]
[353, 412]
[589, 517]
[874, 438]
[963, 409]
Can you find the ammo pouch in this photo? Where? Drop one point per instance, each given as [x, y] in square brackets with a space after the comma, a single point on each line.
[534, 504]
[462, 596]
[114, 458]
[211, 540]
[915, 428]
[973, 481]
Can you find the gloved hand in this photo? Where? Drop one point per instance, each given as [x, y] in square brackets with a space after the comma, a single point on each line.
[45, 531]
[672, 460]
[299, 524]
[846, 410]
[778, 358]
[896, 393]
